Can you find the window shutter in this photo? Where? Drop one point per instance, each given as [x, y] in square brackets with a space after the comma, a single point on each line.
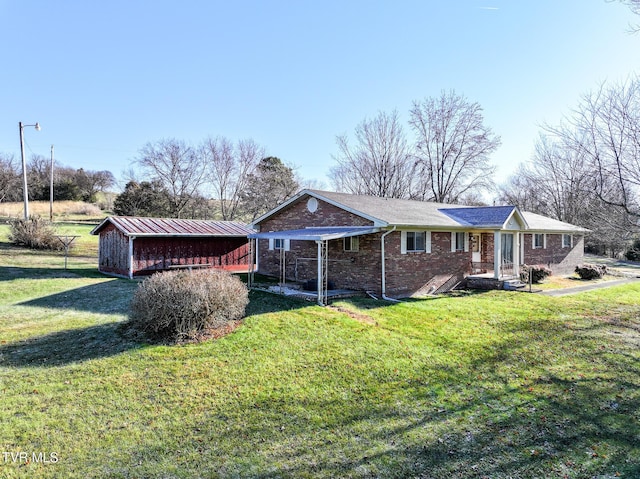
[427, 242]
[403, 242]
[544, 241]
[453, 241]
[466, 242]
[287, 244]
[533, 241]
[270, 243]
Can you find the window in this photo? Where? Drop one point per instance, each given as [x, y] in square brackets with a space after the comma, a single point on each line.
[415, 242]
[458, 242]
[278, 243]
[351, 243]
[567, 241]
[538, 241]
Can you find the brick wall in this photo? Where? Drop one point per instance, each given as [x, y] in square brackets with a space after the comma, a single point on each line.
[560, 260]
[360, 270]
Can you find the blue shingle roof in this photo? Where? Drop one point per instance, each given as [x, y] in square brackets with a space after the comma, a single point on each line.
[481, 216]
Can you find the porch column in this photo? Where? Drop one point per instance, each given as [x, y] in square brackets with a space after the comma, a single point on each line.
[322, 272]
[497, 254]
[516, 255]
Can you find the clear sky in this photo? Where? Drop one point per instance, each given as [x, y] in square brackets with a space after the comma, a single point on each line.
[105, 77]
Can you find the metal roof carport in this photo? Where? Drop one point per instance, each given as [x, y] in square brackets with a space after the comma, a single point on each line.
[321, 235]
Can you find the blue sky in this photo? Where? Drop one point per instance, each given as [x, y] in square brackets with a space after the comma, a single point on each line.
[104, 78]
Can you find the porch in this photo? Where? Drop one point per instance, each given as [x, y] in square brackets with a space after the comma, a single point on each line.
[484, 276]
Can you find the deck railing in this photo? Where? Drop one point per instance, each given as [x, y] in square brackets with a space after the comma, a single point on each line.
[506, 269]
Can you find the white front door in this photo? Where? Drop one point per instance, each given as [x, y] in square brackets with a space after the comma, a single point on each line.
[476, 248]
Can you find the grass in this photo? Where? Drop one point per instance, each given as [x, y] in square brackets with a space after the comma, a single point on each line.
[62, 210]
[498, 385]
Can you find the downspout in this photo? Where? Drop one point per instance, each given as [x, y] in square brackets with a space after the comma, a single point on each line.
[384, 280]
[131, 238]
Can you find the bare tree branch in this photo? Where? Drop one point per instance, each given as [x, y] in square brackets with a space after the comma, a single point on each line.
[452, 148]
[177, 167]
[379, 164]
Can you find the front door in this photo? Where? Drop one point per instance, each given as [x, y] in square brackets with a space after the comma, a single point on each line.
[476, 249]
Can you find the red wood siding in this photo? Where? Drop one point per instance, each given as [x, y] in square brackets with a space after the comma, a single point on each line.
[113, 247]
[151, 254]
[155, 254]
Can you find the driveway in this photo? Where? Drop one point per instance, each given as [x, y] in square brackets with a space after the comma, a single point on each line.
[627, 271]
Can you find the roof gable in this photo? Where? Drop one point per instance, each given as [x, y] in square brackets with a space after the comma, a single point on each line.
[139, 226]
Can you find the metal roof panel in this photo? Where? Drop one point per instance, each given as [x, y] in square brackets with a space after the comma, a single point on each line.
[140, 226]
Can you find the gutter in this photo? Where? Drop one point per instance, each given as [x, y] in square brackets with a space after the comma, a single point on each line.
[384, 280]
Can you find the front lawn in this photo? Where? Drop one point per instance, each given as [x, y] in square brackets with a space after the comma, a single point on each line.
[497, 385]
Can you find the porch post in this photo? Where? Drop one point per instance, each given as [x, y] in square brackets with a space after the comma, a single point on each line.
[516, 255]
[321, 284]
[497, 253]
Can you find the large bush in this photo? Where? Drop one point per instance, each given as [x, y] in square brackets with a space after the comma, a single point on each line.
[35, 232]
[591, 271]
[633, 253]
[534, 273]
[188, 305]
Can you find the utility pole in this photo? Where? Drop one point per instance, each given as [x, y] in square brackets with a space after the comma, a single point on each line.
[51, 189]
[25, 186]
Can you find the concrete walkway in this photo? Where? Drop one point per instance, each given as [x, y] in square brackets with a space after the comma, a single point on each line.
[587, 287]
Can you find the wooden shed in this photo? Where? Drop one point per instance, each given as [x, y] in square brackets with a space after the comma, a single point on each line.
[134, 246]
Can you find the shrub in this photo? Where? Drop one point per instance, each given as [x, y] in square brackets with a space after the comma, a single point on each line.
[35, 232]
[537, 272]
[188, 305]
[591, 271]
[633, 253]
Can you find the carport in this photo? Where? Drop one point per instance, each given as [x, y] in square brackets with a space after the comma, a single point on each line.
[321, 236]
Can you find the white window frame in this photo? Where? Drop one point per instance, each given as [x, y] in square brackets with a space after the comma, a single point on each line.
[533, 241]
[279, 243]
[455, 247]
[570, 245]
[403, 242]
[353, 243]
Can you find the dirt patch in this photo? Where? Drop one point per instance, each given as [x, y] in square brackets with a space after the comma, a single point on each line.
[362, 318]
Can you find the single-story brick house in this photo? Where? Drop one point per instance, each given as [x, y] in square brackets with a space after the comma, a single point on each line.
[133, 246]
[397, 248]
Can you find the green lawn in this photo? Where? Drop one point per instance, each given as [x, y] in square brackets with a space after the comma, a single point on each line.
[496, 385]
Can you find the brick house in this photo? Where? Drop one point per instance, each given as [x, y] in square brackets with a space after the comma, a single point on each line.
[134, 246]
[396, 248]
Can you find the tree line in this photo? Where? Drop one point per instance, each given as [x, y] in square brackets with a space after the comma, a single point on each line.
[217, 179]
[68, 183]
[586, 169]
[447, 159]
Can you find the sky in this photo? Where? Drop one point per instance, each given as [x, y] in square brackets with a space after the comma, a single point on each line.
[105, 78]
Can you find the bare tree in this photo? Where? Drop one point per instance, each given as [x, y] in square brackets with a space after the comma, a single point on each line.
[379, 164]
[10, 188]
[452, 148]
[177, 167]
[229, 168]
[559, 182]
[605, 130]
[634, 6]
